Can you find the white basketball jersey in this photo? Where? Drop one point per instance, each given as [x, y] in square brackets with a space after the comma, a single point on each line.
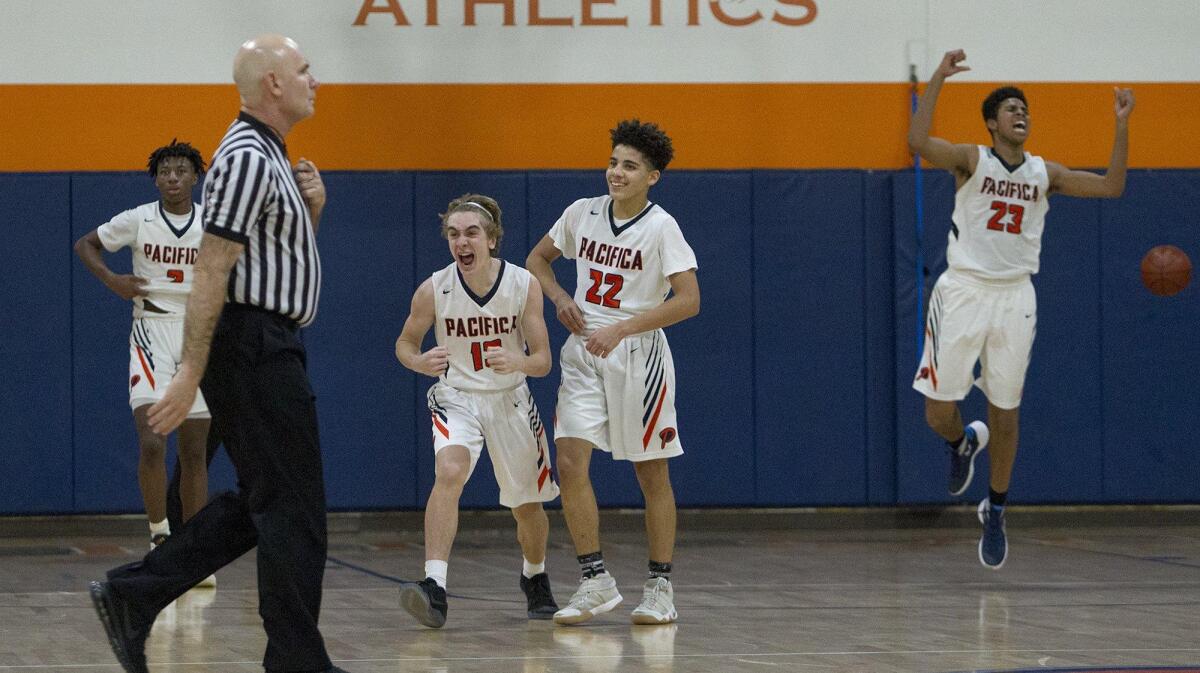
[163, 253]
[621, 268]
[467, 325]
[998, 218]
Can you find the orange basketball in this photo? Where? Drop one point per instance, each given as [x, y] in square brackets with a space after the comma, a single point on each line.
[1166, 270]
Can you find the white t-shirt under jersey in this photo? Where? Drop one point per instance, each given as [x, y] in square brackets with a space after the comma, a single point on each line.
[998, 218]
[468, 324]
[622, 267]
[164, 252]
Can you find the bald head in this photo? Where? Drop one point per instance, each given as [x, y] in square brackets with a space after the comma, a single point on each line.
[256, 58]
[274, 81]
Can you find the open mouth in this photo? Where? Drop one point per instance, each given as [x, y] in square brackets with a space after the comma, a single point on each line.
[466, 258]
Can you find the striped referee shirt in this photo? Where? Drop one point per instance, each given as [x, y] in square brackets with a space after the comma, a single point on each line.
[251, 197]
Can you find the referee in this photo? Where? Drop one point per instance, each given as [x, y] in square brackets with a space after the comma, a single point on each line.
[258, 270]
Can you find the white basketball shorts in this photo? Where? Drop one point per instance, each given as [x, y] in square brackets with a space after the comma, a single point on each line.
[975, 320]
[623, 404]
[155, 349]
[508, 423]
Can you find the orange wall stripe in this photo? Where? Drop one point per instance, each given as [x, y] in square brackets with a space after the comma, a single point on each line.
[550, 126]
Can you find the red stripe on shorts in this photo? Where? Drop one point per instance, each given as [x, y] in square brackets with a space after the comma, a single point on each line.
[662, 395]
[441, 428]
[145, 367]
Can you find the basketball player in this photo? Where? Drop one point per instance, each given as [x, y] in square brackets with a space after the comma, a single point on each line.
[165, 237]
[618, 379]
[983, 307]
[484, 312]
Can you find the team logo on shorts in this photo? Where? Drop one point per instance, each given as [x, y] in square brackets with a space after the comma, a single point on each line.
[134, 381]
[667, 435]
[927, 373]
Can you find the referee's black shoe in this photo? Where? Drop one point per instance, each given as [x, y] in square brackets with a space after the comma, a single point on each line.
[426, 601]
[538, 599]
[125, 635]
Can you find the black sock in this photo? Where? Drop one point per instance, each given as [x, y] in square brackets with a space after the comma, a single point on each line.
[660, 569]
[591, 564]
[997, 499]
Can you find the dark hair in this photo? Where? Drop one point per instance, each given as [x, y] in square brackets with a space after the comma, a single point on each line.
[646, 138]
[480, 205]
[175, 149]
[991, 104]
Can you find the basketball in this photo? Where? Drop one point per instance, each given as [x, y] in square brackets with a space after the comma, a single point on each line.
[1166, 270]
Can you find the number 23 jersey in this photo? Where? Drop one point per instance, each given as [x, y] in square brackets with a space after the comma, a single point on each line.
[998, 218]
[622, 267]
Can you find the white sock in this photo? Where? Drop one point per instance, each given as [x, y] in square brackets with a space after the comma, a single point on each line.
[161, 528]
[530, 569]
[437, 570]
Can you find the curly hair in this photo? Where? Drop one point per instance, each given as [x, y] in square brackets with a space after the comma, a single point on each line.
[480, 205]
[991, 104]
[647, 138]
[175, 149]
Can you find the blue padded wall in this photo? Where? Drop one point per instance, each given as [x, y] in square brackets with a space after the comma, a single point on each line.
[35, 308]
[105, 446]
[714, 370]
[363, 393]
[794, 381]
[1151, 345]
[809, 344]
[1060, 434]
[920, 458]
[879, 320]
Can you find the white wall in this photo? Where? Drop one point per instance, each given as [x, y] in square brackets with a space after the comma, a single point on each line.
[166, 41]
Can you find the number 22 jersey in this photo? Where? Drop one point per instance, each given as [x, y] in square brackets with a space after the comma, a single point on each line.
[622, 267]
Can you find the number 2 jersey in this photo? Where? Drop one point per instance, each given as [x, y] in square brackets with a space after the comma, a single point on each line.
[467, 324]
[998, 218]
[622, 268]
[164, 250]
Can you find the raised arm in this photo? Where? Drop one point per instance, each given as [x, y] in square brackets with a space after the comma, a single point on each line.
[538, 262]
[210, 282]
[1085, 183]
[408, 346]
[959, 159]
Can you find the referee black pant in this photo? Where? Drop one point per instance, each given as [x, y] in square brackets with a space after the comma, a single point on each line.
[264, 411]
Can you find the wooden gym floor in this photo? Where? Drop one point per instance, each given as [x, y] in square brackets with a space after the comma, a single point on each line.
[826, 592]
